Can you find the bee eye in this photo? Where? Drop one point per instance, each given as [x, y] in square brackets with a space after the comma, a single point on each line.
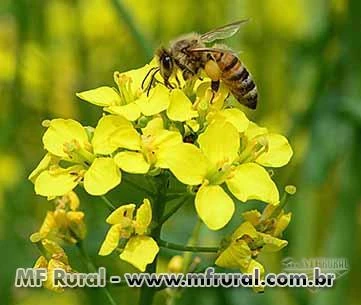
[167, 62]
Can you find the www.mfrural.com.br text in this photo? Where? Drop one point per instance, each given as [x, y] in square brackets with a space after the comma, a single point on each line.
[35, 277]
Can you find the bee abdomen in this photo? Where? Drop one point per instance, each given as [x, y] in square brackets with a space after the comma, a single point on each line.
[243, 87]
[251, 99]
[239, 75]
[236, 76]
[246, 86]
[218, 56]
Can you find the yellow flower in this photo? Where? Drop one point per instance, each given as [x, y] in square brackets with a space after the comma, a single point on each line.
[244, 246]
[143, 157]
[140, 249]
[67, 140]
[271, 221]
[131, 100]
[55, 259]
[124, 101]
[264, 148]
[216, 163]
[66, 223]
[208, 102]
[180, 107]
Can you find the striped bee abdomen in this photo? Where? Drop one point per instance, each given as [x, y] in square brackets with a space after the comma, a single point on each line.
[237, 78]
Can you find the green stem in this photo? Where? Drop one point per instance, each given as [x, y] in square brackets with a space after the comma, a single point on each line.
[42, 251]
[169, 245]
[191, 241]
[158, 204]
[108, 203]
[174, 209]
[124, 16]
[91, 267]
[170, 194]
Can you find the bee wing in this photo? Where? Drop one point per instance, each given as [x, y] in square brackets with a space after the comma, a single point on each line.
[223, 32]
[213, 50]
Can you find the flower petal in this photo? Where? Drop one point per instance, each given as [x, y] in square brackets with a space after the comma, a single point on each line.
[185, 161]
[43, 165]
[214, 206]
[102, 96]
[237, 254]
[122, 215]
[279, 151]
[253, 216]
[157, 102]
[193, 125]
[49, 223]
[62, 131]
[132, 162]
[41, 262]
[250, 269]
[272, 244]
[73, 201]
[252, 181]
[56, 182]
[102, 176]
[246, 228]
[49, 282]
[165, 138]
[153, 126]
[220, 142]
[254, 130]
[137, 75]
[52, 247]
[234, 116]
[113, 132]
[180, 107]
[143, 217]
[111, 240]
[282, 223]
[140, 251]
[130, 111]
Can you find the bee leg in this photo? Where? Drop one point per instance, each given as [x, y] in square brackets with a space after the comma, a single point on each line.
[148, 74]
[215, 87]
[168, 84]
[149, 87]
[178, 82]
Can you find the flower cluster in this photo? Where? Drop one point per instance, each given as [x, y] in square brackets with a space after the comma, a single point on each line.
[190, 132]
[54, 258]
[139, 249]
[65, 223]
[259, 233]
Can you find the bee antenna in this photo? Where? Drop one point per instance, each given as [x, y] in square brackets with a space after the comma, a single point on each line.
[146, 76]
[151, 79]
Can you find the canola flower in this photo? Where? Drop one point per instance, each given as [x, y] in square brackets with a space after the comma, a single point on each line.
[65, 223]
[139, 249]
[54, 258]
[189, 136]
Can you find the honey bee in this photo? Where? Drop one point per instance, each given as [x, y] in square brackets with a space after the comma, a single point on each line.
[190, 55]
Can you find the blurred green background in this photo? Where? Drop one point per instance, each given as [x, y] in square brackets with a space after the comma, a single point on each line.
[305, 56]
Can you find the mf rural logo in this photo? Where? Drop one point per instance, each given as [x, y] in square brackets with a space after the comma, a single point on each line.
[338, 266]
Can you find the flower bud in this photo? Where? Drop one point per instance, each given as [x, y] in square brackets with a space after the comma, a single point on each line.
[290, 189]
[176, 264]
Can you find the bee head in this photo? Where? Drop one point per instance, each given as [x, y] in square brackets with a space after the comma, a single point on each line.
[166, 63]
